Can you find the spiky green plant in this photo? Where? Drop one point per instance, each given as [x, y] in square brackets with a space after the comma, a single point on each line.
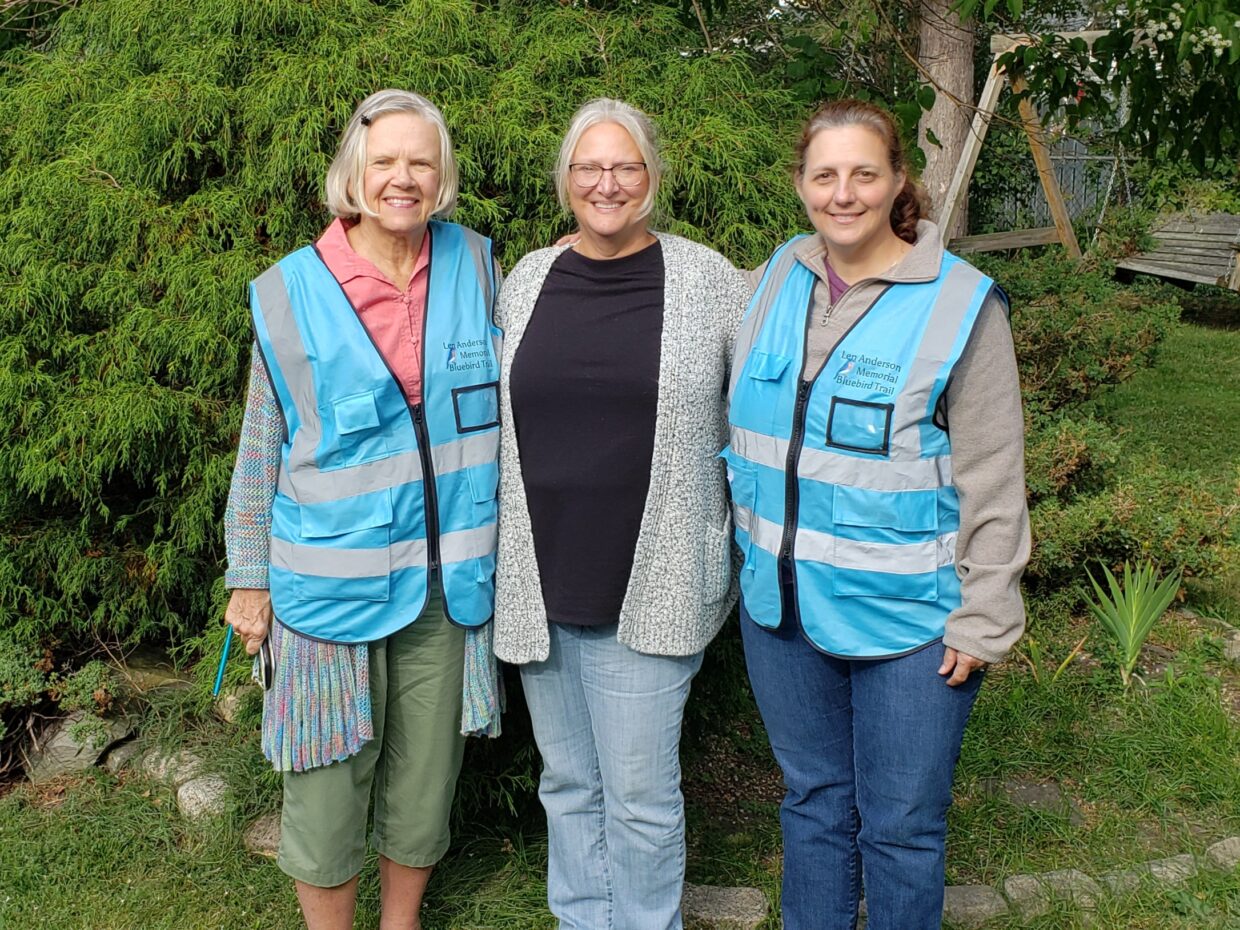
[1129, 611]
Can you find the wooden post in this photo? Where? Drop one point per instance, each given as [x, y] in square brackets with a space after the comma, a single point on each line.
[959, 188]
[1046, 171]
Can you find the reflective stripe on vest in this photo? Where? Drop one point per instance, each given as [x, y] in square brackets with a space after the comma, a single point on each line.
[872, 531]
[349, 553]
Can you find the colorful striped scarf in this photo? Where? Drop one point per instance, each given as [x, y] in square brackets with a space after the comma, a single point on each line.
[317, 710]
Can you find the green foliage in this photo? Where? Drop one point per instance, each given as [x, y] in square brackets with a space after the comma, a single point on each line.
[1168, 185]
[1165, 77]
[1075, 329]
[1078, 333]
[157, 155]
[1129, 611]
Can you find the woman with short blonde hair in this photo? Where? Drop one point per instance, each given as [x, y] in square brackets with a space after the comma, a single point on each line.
[360, 526]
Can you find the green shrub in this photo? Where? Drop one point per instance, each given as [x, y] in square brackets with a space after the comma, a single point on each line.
[1150, 513]
[1075, 329]
[1066, 455]
[159, 154]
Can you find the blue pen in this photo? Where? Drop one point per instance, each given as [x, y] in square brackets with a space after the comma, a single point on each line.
[219, 675]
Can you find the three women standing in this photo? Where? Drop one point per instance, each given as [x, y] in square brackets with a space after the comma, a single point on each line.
[875, 461]
[876, 467]
[614, 565]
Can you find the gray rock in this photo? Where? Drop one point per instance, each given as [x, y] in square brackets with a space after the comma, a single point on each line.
[203, 797]
[147, 669]
[59, 751]
[119, 757]
[1173, 871]
[175, 769]
[1231, 646]
[1047, 797]
[1124, 881]
[262, 837]
[1225, 854]
[723, 908]
[1072, 885]
[971, 906]
[230, 702]
[1027, 895]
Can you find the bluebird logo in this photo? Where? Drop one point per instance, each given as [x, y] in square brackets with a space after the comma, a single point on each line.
[451, 352]
[846, 369]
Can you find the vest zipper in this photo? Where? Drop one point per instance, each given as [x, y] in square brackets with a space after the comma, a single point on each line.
[792, 487]
[792, 491]
[428, 473]
[424, 437]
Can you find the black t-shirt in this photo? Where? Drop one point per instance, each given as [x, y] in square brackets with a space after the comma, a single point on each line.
[585, 385]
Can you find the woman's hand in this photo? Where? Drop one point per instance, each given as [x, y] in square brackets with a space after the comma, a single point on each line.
[249, 613]
[959, 666]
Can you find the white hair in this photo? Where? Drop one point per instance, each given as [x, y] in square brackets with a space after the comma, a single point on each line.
[636, 123]
[343, 186]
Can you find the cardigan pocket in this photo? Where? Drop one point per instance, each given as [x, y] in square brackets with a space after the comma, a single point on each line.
[717, 562]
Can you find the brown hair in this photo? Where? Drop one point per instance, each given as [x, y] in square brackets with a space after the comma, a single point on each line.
[911, 204]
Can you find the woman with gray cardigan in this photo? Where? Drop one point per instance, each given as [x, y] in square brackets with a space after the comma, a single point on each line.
[614, 569]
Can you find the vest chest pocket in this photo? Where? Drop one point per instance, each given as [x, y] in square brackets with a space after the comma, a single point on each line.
[476, 407]
[356, 418]
[859, 426]
[886, 544]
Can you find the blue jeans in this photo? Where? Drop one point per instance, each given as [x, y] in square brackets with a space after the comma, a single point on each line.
[867, 749]
[607, 722]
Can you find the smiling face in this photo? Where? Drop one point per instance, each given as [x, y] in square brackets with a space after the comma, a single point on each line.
[401, 181]
[848, 188]
[608, 215]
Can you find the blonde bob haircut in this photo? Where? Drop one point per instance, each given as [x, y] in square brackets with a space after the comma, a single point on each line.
[348, 168]
[636, 123]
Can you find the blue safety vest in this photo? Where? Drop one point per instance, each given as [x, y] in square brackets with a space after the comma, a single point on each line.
[373, 493]
[847, 478]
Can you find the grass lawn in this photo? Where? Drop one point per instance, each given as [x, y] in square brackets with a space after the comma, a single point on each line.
[1151, 773]
[1186, 409]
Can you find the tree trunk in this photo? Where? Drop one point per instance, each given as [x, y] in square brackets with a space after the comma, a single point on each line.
[945, 51]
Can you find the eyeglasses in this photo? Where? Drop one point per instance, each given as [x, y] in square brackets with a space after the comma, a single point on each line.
[627, 175]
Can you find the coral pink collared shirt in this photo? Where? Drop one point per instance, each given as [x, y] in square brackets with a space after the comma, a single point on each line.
[393, 318]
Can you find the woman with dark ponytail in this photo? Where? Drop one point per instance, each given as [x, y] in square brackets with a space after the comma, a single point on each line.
[876, 465]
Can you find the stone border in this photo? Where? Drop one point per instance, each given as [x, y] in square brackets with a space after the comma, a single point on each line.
[1031, 895]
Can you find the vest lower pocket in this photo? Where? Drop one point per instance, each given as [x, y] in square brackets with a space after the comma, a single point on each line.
[319, 587]
[347, 552]
[886, 544]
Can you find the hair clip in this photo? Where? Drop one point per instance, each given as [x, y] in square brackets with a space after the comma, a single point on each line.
[365, 120]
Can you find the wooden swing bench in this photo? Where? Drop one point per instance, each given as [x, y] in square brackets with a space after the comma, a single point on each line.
[1191, 250]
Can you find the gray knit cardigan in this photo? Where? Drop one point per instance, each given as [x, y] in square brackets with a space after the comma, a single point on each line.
[681, 587]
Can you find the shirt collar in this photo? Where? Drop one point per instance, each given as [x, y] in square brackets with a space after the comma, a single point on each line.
[346, 265]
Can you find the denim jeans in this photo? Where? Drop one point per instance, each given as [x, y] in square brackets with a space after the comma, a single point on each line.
[867, 749]
[607, 722]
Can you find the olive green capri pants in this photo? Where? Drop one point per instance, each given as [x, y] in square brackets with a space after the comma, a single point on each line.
[412, 763]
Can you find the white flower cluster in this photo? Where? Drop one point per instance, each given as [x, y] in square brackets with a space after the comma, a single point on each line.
[1160, 30]
[1210, 38]
[1207, 38]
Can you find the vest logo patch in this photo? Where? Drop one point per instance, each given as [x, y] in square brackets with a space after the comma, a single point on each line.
[869, 373]
[468, 355]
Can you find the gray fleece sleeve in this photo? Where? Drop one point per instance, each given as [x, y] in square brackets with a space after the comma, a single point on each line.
[988, 463]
